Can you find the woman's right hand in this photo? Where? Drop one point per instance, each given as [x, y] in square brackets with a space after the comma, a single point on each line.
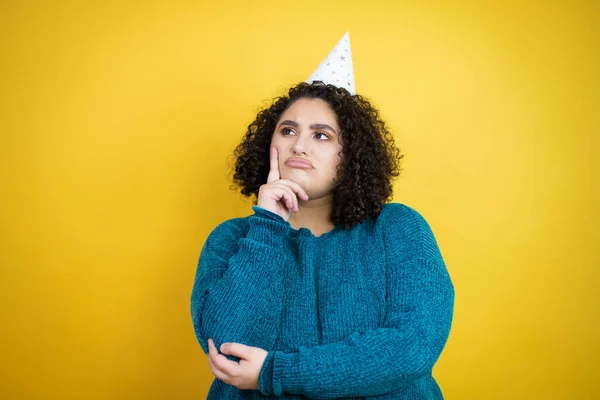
[280, 195]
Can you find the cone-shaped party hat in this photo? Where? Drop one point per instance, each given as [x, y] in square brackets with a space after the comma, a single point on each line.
[336, 68]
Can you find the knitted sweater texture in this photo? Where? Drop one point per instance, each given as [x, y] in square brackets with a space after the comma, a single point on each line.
[360, 313]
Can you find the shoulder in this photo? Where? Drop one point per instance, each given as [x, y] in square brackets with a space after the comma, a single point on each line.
[400, 216]
[404, 227]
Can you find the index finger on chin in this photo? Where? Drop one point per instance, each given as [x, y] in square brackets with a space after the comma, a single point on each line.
[274, 171]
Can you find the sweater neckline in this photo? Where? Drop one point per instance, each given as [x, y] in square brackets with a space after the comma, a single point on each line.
[307, 233]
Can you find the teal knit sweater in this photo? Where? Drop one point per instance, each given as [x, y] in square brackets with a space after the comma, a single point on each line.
[354, 313]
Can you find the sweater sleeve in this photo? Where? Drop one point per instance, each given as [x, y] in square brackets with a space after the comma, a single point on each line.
[238, 286]
[419, 308]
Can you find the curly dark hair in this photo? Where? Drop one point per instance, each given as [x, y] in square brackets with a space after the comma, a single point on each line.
[370, 160]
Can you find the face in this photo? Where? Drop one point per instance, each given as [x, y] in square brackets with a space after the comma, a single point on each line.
[307, 138]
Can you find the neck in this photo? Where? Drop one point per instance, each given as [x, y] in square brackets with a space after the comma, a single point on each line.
[314, 215]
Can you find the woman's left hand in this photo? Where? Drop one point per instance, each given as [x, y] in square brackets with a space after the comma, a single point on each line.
[242, 374]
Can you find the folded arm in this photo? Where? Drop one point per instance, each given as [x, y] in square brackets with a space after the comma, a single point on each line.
[238, 287]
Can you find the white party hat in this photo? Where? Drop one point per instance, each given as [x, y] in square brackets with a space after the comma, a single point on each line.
[336, 68]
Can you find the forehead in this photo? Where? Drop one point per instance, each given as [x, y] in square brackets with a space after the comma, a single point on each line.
[311, 111]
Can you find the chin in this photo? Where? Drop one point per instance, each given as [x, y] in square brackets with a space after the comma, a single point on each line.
[305, 183]
[296, 175]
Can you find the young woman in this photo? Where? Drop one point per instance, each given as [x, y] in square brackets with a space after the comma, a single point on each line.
[325, 291]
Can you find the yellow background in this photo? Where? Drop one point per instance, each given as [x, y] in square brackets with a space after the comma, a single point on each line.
[118, 119]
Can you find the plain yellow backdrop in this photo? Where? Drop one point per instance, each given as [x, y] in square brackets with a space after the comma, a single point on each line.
[117, 120]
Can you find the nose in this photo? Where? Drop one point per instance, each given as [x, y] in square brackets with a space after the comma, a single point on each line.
[300, 145]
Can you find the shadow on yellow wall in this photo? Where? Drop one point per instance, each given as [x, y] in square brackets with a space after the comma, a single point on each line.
[117, 122]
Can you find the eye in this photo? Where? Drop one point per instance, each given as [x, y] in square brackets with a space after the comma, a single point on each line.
[321, 136]
[286, 131]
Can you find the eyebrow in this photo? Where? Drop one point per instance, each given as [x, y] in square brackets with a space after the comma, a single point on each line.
[313, 126]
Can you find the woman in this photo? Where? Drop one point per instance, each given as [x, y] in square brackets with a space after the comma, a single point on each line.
[325, 291]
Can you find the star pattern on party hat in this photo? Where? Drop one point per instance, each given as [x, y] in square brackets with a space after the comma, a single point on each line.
[336, 69]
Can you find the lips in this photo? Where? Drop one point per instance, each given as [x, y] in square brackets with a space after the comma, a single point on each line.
[296, 162]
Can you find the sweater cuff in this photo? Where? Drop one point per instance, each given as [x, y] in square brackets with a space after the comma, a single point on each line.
[268, 228]
[265, 378]
[286, 376]
[264, 213]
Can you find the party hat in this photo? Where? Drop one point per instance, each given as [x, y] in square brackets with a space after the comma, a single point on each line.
[336, 68]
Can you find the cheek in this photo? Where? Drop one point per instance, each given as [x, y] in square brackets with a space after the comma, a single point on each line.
[337, 157]
[336, 160]
[274, 140]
